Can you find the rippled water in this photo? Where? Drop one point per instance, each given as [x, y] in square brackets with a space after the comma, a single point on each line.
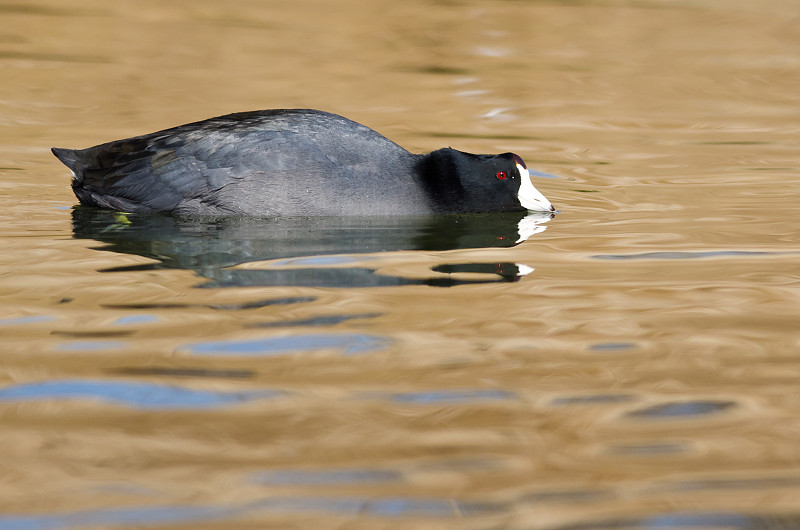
[630, 363]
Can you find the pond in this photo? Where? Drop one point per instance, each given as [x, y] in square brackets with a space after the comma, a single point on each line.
[631, 362]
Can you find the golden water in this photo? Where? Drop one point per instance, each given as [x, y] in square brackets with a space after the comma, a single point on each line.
[643, 375]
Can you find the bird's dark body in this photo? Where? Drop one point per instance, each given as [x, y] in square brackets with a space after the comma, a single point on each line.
[283, 163]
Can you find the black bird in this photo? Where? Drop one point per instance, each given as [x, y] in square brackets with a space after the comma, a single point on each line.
[292, 163]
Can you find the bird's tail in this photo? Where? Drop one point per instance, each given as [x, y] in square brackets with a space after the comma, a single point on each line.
[71, 158]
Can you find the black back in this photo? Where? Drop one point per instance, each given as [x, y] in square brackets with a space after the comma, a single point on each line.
[284, 163]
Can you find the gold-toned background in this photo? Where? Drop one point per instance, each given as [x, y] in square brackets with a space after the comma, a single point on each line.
[673, 128]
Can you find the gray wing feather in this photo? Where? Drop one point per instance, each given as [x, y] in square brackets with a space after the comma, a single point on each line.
[158, 173]
[281, 162]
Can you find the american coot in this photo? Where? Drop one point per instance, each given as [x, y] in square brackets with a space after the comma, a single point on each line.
[291, 163]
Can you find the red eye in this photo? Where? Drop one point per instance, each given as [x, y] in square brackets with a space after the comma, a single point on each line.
[501, 175]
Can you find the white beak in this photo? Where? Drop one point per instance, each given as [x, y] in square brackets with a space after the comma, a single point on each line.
[529, 197]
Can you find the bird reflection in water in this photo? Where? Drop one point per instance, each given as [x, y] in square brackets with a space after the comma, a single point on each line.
[313, 251]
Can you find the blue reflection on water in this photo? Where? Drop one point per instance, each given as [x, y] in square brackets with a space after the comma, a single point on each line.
[682, 408]
[453, 396]
[136, 319]
[139, 395]
[350, 342]
[592, 399]
[381, 507]
[118, 516]
[687, 255]
[91, 345]
[388, 507]
[384, 507]
[33, 319]
[328, 320]
[535, 173]
[309, 477]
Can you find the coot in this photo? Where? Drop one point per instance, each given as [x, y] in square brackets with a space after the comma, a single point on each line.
[294, 162]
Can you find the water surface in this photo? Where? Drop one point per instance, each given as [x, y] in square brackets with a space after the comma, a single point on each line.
[630, 363]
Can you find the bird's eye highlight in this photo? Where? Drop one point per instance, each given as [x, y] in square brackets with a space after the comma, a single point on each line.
[501, 175]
